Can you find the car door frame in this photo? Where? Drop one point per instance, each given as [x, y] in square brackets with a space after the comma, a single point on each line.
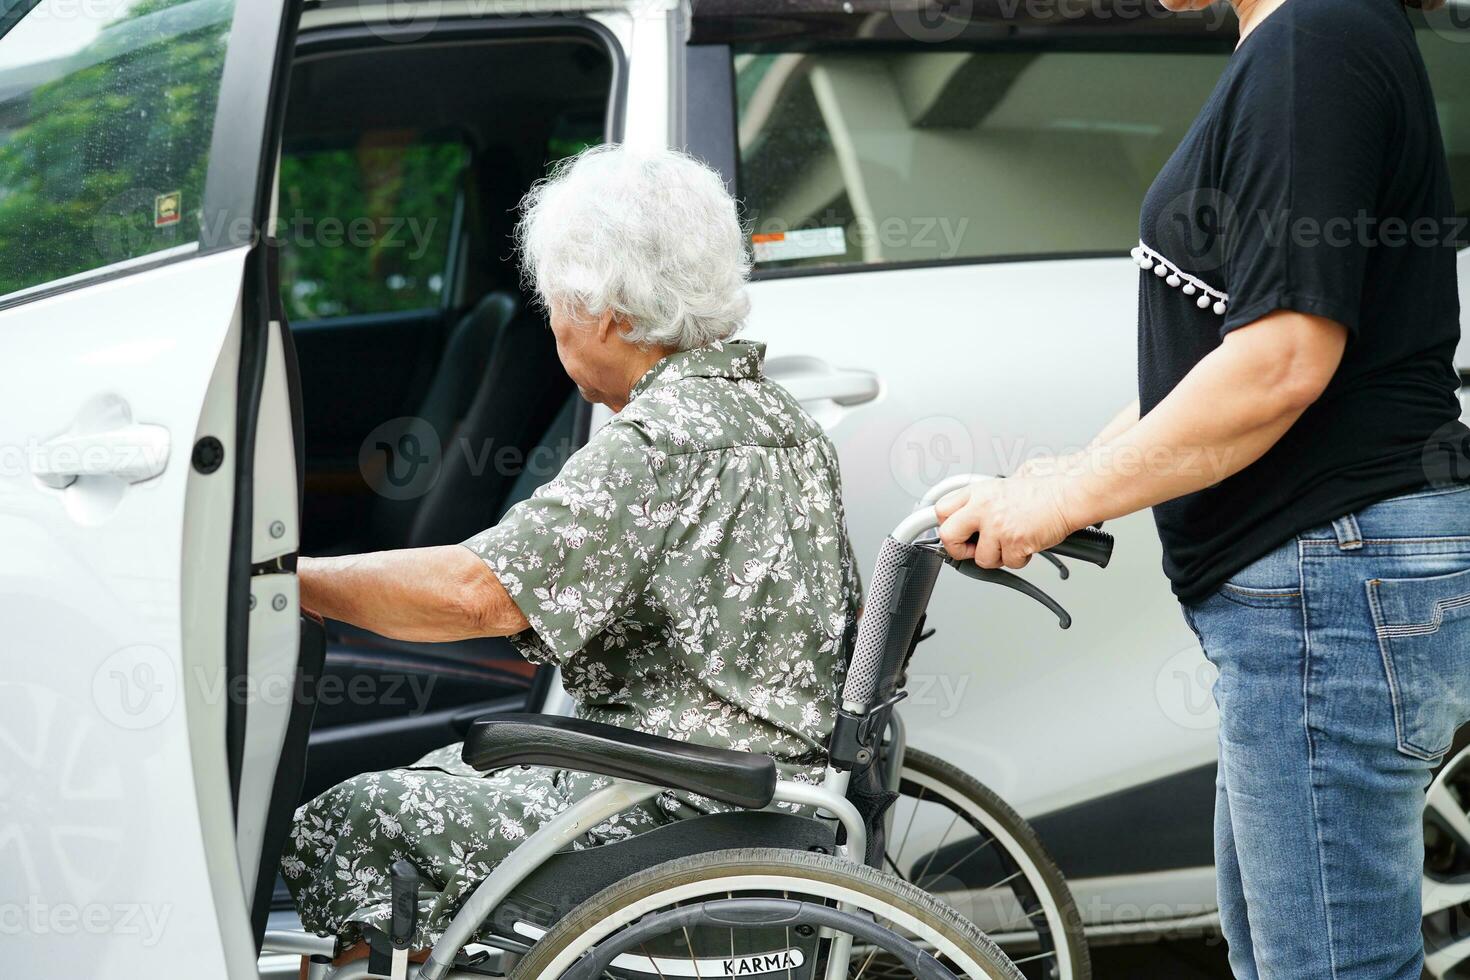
[214, 611]
[613, 29]
[239, 211]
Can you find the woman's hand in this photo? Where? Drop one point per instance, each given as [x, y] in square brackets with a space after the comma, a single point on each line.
[1014, 518]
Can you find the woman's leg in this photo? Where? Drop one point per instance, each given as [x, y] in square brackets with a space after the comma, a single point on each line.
[454, 824]
[1271, 907]
[1234, 920]
[1340, 681]
[1229, 891]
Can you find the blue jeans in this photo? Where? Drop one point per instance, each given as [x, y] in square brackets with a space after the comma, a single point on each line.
[1344, 659]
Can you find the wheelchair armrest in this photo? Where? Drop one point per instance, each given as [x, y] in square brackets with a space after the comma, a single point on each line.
[742, 779]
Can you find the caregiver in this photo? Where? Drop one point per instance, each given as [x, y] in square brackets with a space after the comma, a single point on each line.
[1296, 434]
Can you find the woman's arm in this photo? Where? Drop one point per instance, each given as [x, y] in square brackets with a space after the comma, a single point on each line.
[1051, 465]
[1225, 414]
[428, 595]
[1121, 423]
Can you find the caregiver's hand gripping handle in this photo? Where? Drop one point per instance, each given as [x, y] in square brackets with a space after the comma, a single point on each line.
[909, 561]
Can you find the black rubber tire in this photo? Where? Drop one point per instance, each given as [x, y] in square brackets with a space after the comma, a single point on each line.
[766, 860]
[961, 784]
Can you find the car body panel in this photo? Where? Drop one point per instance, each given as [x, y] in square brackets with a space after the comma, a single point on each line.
[105, 827]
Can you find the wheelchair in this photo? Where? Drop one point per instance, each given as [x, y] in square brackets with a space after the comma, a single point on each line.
[753, 891]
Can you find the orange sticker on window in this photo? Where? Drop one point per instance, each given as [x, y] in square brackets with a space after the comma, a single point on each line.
[167, 209]
[800, 243]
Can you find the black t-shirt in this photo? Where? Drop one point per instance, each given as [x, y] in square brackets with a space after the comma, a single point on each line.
[1313, 180]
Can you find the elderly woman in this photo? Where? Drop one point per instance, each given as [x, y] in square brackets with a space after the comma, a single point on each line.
[689, 569]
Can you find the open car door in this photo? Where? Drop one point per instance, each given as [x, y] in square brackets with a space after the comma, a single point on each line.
[148, 484]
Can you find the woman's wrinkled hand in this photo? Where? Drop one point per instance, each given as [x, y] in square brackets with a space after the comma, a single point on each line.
[1014, 518]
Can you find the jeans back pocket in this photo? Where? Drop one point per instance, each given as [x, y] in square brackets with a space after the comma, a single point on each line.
[1423, 627]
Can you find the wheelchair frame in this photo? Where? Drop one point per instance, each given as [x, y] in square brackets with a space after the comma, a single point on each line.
[869, 691]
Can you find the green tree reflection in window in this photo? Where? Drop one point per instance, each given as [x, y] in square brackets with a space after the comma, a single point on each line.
[105, 134]
[367, 229]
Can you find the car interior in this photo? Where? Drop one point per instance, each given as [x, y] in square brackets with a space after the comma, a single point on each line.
[432, 397]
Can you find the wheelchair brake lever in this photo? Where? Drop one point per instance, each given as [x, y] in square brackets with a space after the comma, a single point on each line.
[996, 576]
[1060, 565]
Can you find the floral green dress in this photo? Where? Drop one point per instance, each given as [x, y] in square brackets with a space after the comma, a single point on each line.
[689, 571]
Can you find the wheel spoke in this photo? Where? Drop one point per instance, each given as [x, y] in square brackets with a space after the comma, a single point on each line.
[1443, 804]
[863, 969]
[956, 864]
[644, 950]
[789, 973]
[909, 829]
[694, 957]
[935, 852]
[1441, 961]
[1441, 895]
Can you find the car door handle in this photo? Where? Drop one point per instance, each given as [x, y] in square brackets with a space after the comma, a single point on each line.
[133, 453]
[845, 387]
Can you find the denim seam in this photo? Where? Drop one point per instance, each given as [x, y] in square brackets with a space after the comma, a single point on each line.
[1256, 600]
[1262, 593]
[1441, 606]
[1349, 536]
[1371, 587]
[1385, 653]
[1312, 761]
[1435, 492]
[1445, 539]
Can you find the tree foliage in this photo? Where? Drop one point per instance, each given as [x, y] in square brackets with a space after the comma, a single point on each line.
[85, 154]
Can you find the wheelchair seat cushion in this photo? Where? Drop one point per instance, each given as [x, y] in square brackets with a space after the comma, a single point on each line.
[741, 779]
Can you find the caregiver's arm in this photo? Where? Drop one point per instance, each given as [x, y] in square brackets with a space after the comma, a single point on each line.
[1121, 423]
[427, 595]
[1052, 465]
[1235, 404]
[1225, 414]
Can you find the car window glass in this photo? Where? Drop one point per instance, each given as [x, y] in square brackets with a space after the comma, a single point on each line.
[367, 228]
[106, 114]
[884, 155]
[1445, 42]
[875, 156]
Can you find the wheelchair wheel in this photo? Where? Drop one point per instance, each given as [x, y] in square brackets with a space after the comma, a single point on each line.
[762, 912]
[953, 837]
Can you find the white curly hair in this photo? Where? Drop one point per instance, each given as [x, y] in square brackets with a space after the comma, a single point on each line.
[651, 236]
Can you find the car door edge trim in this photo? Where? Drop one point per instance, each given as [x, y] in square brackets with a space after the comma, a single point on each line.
[251, 136]
[106, 273]
[15, 15]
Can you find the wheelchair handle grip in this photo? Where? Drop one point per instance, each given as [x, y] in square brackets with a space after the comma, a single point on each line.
[1089, 544]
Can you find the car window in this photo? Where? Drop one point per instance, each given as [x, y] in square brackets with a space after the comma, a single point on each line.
[895, 155]
[874, 156]
[367, 228]
[572, 133]
[106, 114]
[1445, 42]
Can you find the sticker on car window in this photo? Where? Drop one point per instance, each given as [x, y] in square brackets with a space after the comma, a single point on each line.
[167, 209]
[803, 243]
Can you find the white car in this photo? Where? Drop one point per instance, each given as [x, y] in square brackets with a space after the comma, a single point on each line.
[941, 210]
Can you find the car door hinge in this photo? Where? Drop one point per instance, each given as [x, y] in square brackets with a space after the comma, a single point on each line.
[281, 564]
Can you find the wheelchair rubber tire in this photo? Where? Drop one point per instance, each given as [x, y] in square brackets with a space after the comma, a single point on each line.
[1044, 871]
[766, 862]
